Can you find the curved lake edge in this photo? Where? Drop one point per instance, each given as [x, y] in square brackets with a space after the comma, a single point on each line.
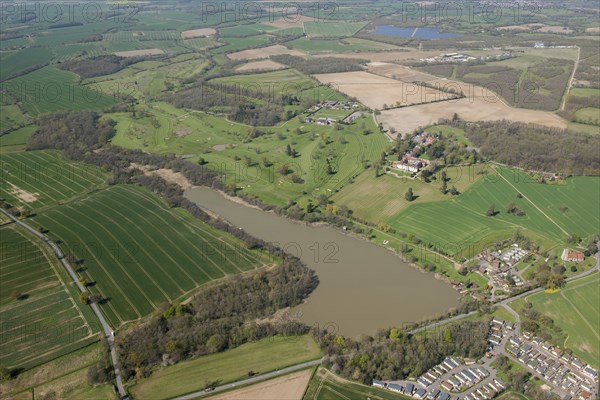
[363, 288]
[318, 225]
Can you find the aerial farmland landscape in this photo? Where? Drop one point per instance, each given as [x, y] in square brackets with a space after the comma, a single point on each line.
[353, 200]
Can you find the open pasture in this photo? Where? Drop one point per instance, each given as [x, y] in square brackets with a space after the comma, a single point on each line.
[266, 65]
[262, 356]
[15, 61]
[234, 44]
[50, 89]
[380, 199]
[462, 220]
[63, 377]
[194, 33]
[332, 29]
[37, 179]
[135, 265]
[264, 52]
[575, 310]
[17, 138]
[378, 92]
[348, 45]
[45, 321]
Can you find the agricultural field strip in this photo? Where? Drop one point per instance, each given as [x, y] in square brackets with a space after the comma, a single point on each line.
[35, 187]
[251, 259]
[31, 316]
[176, 246]
[539, 209]
[102, 266]
[581, 315]
[143, 270]
[57, 275]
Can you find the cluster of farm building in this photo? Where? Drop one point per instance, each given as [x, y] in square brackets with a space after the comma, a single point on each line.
[461, 58]
[409, 161]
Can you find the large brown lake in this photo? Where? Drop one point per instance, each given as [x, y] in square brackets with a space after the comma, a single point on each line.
[362, 286]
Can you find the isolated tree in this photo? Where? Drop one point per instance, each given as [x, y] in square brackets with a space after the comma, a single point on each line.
[491, 211]
[454, 191]
[444, 188]
[329, 170]
[288, 150]
[202, 161]
[283, 169]
[84, 297]
[409, 194]
[4, 373]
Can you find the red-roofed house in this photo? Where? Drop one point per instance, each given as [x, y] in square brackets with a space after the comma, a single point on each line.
[572, 256]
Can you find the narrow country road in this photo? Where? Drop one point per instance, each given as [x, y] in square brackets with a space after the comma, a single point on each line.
[107, 329]
[570, 85]
[504, 303]
[256, 379]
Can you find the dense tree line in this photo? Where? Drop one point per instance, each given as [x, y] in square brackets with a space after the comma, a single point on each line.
[218, 318]
[249, 105]
[393, 354]
[99, 66]
[324, 65]
[536, 148]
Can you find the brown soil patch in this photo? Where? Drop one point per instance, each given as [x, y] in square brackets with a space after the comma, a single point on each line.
[556, 29]
[265, 65]
[400, 72]
[194, 33]
[375, 91]
[288, 387]
[167, 174]
[387, 56]
[23, 195]
[264, 52]
[476, 108]
[523, 27]
[139, 53]
[138, 33]
[593, 30]
[290, 21]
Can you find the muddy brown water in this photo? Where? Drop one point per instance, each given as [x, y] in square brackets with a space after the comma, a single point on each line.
[362, 286]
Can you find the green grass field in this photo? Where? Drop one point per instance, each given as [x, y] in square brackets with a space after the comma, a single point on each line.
[575, 310]
[381, 199]
[326, 386]
[37, 179]
[16, 61]
[336, 46]
[65, 376]
[11, 118]
[262, 356]
[332, 29]
[139, 252]
[197, 133]
[46, 321]
[462, 220]
[50, 89]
